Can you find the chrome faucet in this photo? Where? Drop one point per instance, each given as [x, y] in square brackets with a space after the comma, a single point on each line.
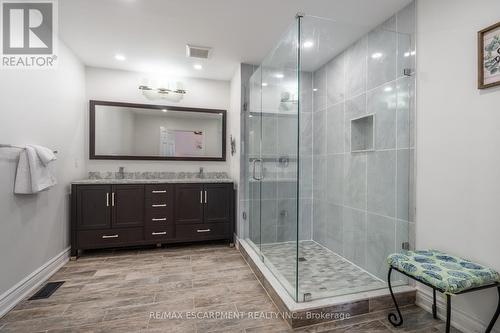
[121, 173]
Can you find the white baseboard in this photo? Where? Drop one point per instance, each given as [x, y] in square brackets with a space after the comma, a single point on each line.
[17, 293]
[459, 319]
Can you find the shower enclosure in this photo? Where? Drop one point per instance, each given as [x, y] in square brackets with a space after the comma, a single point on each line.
[328, 145]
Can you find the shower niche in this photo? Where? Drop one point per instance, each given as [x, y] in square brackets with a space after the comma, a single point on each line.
[362, 134]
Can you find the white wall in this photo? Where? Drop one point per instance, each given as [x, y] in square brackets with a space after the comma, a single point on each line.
[458, 142]
[45, 107]
[122, 86]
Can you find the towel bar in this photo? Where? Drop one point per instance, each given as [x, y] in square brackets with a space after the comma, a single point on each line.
[2, 145]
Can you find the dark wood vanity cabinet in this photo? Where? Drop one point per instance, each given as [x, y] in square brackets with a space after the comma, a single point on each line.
[203, 211]
[106, 216]
[189, 207]
[93, 207]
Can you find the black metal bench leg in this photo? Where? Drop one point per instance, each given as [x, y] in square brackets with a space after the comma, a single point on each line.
[495, 316]
[434, 307]
[448, 313]
[393, 319]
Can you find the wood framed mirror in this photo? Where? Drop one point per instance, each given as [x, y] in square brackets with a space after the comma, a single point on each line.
[128, 131]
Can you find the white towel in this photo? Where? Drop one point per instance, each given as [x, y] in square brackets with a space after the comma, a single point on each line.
[34, 172]
[46, 155]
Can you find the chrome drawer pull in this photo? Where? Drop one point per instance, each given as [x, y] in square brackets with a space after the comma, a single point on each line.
[159, 191]
[110, 236]
[203, 230]
[160, 219]
[158, 233]
[160, 205]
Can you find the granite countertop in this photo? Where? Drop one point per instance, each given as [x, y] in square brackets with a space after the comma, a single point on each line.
[152, 181]
[150, 177]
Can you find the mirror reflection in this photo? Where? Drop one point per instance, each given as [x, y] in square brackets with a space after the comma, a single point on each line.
[170, 133]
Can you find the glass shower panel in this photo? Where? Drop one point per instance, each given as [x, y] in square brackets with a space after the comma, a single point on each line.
[329, 154]
[273, 124]
[280, 119]
[361, 152]
[253, 154]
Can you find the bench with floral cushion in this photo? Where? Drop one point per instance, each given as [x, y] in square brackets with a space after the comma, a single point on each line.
[445, 273]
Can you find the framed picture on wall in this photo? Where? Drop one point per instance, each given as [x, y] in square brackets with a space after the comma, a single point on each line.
[489, 57]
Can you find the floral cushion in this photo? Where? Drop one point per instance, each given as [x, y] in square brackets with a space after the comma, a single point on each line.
[447, 273]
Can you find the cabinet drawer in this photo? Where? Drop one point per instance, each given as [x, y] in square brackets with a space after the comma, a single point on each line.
[159, 221]
[105, 237]
[202, 231]
[159, 193]
[160, 232]
[159, 204]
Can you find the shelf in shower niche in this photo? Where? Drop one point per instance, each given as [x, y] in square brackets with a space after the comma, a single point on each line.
[362, 134]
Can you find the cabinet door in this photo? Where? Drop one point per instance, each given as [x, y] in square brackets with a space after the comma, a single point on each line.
[93, 206]
[217, 203]
[189, 203]
[128, 206]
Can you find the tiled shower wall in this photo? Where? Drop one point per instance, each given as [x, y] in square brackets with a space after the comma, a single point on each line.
[363, 201]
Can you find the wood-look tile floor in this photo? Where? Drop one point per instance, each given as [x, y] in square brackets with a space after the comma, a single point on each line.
[117, 291]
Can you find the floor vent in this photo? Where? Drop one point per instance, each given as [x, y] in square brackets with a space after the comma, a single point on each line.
[302, 259]
[47, 290]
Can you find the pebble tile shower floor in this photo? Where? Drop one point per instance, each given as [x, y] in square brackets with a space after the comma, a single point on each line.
[322, 273]
[115, 291]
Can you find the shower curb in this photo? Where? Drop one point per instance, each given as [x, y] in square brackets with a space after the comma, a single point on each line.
[336, 310]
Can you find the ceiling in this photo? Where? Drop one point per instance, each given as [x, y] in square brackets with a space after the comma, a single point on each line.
[152, 34]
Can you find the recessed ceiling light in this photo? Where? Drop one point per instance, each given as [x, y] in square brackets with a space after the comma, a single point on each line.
[120, 57]
[308, 43]
[264, 84]
[198, 66]
[279, 76]
[377, 55]
[164, 110]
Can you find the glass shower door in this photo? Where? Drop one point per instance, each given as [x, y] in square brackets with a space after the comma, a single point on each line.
[254, 130]
[273, 122]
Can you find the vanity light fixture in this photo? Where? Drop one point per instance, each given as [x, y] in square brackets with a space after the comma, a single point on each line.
[120, 57]
[172, 91]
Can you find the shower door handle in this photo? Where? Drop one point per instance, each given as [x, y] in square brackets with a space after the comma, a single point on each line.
[253, 170]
